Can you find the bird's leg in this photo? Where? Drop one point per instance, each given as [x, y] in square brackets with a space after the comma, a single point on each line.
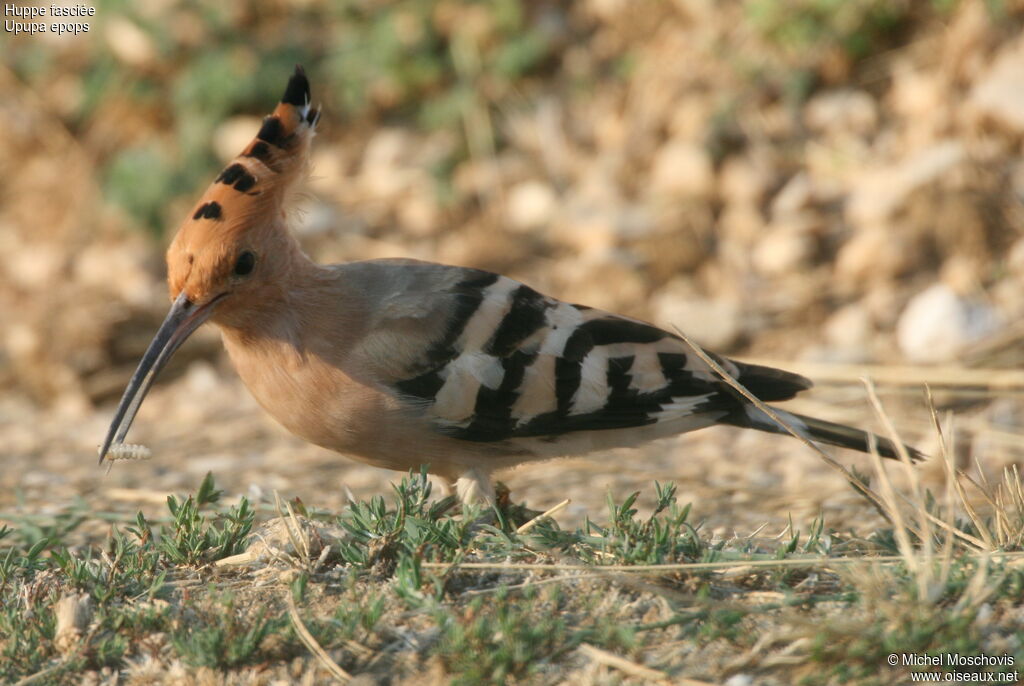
[447, 487]
[474, 486]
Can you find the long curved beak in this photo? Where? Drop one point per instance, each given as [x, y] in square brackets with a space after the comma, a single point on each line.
[183, 318]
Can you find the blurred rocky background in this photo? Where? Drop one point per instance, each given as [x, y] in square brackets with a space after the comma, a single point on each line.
[828, 181]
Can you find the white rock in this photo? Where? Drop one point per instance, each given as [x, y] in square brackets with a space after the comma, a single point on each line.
[937, 324]
[999, 94]
[531, 204]
[780, 251]
[73, 613]
[682, 168]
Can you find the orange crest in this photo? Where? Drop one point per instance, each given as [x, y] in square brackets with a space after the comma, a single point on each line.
[248, 195]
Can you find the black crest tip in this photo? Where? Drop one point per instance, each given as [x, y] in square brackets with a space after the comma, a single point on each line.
[297, 91]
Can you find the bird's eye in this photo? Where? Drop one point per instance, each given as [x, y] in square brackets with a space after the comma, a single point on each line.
[246, 261]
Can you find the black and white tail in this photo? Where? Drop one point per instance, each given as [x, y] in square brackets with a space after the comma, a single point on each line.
[823, 431]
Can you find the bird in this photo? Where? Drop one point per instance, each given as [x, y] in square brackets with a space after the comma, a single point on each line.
[402, 363]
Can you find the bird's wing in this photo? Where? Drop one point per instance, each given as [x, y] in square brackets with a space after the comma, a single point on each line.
[489, 359]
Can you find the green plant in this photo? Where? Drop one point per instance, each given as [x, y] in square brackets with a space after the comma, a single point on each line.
[192, 539]
[664, 536]
[222, 635]
[496, 641]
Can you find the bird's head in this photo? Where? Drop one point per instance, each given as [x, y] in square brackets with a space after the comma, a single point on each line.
[232, 247]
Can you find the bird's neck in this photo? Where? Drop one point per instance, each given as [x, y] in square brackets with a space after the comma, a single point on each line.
[273, 307]
[304, 309]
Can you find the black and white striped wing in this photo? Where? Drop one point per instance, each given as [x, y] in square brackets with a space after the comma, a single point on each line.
[509, 362]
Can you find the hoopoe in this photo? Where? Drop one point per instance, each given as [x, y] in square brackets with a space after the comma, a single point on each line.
[401, 363]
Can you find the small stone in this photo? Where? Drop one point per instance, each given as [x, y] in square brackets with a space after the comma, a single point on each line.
[916, 94]
[740, 225]
[34, 266]
[22, 341]
[531, 205]
[73, 614]
[795, 196]
[999, 94]
[682, 169]
[844, 110]
[937, 324]
[742, 181]
[780, 251]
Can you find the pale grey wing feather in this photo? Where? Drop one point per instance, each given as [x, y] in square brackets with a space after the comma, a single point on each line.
[489, 358]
